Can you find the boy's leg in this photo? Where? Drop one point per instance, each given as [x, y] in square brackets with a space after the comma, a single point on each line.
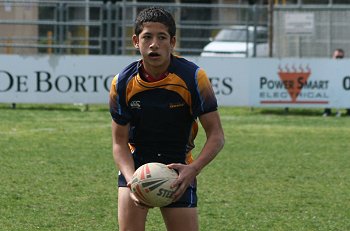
[130, 217]
[180, 219]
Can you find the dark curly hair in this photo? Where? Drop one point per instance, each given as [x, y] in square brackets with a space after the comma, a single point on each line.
[155, 14]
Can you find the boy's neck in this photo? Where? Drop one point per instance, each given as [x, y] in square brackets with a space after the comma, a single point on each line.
[153, 77]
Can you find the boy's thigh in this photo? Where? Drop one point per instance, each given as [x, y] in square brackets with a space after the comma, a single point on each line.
[179, 219]
[130, 217]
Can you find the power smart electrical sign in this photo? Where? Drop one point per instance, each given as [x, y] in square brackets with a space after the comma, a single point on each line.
[293, 86]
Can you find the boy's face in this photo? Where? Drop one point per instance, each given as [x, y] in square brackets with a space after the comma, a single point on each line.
[155, 45]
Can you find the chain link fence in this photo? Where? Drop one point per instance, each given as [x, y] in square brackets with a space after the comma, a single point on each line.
[105, 28]
[329, 29]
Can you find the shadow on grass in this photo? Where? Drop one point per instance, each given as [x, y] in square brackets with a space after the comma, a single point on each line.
[104, 108]
[242, 111]
[54, 107]
[292, 111]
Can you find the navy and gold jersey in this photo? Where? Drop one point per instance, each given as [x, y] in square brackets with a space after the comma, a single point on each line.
[162, 114]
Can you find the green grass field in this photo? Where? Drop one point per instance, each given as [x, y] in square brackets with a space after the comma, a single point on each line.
[276, 172]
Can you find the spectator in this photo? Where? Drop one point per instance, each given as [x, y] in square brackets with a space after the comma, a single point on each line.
[337, 54]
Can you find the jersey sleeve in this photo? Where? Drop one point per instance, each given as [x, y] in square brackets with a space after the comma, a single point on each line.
[206, 100]
[117, 104]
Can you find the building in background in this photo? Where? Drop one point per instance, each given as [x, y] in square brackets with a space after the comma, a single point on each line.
[17, 38]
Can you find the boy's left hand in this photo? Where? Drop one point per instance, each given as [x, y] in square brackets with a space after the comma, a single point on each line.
[187, 175]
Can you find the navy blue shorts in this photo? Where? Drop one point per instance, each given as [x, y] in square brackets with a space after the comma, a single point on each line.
[188, 199]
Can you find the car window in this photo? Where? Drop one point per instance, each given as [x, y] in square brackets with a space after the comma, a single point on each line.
[232, 35]
[261, 36]
[240, 35]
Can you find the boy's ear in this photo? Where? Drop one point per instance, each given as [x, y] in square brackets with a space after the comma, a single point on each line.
[135, 41]
[173, 42]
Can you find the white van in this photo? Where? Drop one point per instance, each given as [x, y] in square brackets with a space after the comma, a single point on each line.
[238, 41]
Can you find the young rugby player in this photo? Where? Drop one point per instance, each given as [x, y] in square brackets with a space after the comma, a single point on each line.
[155, 103]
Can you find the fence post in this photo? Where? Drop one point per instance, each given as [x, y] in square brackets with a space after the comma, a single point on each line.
[61, 9]
[109, 28]
[87, 26]
[116, 29]
[123, 27]
[49, 42]
[9, 49]
[69, 42]
[270, 24]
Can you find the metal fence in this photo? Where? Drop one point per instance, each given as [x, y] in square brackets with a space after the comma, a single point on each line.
[72, 27]
[330, 30]
[95, 27]
[59, 27]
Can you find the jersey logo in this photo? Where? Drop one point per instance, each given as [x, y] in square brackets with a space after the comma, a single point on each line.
[136, 104]
[176, 105]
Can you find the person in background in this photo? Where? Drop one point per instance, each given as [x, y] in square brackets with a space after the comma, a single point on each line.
[156, 104]
[337, 54]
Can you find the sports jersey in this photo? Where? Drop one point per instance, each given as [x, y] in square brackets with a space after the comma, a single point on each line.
[162, 114]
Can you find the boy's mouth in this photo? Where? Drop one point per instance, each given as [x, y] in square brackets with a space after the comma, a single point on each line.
[153, 54]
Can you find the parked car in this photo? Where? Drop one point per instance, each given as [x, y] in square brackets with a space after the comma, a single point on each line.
[238, 41]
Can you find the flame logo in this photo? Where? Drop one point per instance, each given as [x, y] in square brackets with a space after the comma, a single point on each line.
[292, 77]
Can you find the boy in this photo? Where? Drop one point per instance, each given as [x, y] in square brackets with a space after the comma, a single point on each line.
[154, 104]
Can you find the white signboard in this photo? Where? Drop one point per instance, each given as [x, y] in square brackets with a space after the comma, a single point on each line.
[294, 83]
[255, 82]
[300, 23]
[230, 85]
[58, 79]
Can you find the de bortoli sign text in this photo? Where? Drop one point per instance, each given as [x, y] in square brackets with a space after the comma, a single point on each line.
[266, 82]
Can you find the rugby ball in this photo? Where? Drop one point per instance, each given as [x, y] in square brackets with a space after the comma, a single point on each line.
[151, 184]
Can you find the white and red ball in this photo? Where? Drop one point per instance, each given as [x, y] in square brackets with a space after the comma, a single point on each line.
[151, 184]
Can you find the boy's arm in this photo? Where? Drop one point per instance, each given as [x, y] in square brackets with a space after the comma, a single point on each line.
[121, 151]
[214, 143]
